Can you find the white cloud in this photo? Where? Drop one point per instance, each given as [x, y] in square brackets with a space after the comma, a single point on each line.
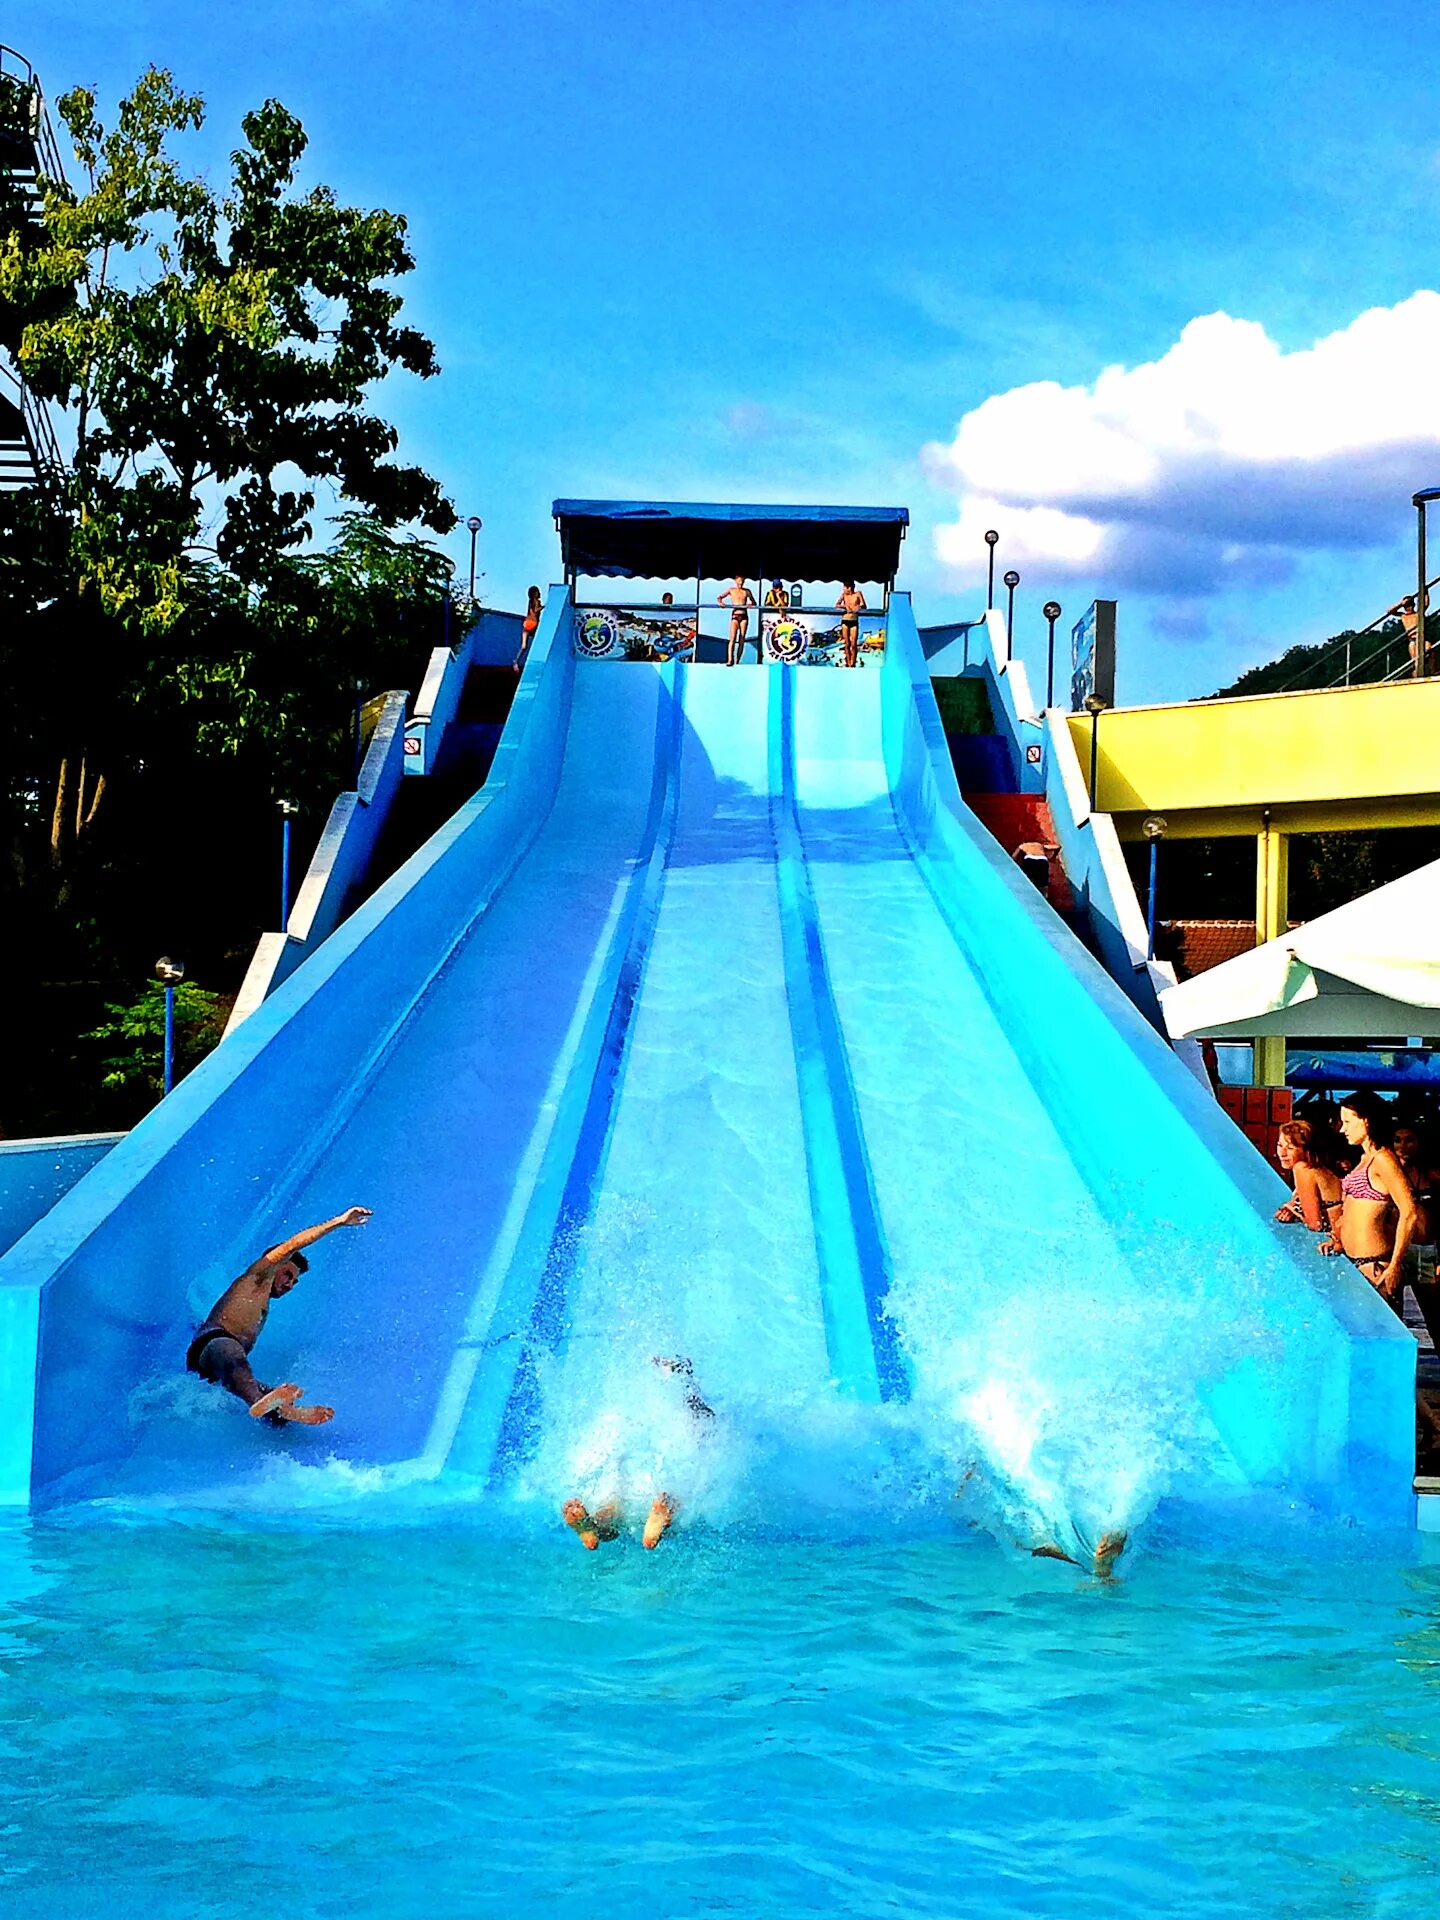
[1223, 461]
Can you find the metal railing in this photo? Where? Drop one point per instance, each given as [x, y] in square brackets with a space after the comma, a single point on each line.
[640, 630]
[1344, 647]
[16, 69]
[45, 455]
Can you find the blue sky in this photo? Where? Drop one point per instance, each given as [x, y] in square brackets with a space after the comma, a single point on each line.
[756, 252]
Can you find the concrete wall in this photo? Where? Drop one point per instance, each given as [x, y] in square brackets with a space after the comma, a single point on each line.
[1347, 756]
[34, 1174]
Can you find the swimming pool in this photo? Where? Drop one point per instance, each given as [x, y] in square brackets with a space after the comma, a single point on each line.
[205, 1720]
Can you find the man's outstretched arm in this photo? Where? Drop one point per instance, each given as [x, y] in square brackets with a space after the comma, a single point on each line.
[307, 1236]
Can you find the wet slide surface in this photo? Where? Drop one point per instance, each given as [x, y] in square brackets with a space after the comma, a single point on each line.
[720, 1077]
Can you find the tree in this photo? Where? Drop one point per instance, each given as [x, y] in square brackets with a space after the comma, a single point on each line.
[215, 353]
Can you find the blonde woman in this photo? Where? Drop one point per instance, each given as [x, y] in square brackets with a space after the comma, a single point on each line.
[1317, 1185]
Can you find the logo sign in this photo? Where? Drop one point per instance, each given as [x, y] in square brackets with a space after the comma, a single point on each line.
[412, 746]
[1092, 655]
[788, 641]
[1032, 755]
[599, 636]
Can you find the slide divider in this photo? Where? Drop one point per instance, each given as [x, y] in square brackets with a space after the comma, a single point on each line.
[854, 1258]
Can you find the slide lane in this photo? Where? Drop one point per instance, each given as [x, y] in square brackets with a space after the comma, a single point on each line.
[701, 1242]
[450, 1139]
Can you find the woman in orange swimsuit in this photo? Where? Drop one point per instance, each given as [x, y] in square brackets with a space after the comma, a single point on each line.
[529, 626]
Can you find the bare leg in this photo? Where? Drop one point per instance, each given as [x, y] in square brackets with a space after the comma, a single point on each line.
[657, 1522]
[281, 1402]
[1108, 1550]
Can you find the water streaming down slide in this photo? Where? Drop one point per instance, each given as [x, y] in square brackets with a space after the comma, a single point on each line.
[714, 1027]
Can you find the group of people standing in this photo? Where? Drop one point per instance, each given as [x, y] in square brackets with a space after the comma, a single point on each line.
[1367, 1183]
[740, 600]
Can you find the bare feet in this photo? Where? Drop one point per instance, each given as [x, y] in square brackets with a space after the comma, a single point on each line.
[1108, 1550]
[306, 1416]
[662, 1512]
[276, 1400]
[590, 1529]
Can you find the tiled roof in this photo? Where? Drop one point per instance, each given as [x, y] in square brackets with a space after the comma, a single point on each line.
[1198, 945]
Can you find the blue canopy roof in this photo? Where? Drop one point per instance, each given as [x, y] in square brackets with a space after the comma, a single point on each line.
[676, 540]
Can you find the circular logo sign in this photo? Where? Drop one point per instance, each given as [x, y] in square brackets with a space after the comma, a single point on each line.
[598, 636]
[789, 641]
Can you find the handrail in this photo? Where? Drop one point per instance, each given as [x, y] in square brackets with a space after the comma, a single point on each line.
[36, 424]
[1347, 640]
[42, 134]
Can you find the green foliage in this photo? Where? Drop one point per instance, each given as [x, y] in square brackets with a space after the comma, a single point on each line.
[207, 344]
[133, 1036]
[172, 657]
[1374, 655]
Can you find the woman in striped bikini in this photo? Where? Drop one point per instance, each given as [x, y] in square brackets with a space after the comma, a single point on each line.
[1378, 1217]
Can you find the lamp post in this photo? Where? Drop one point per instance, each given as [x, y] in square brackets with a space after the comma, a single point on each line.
[1052, 614]
[1012, 580]
[1420, 501]
[474, 523]
[1094, 706]
[1154, 831]
[170, 973]
[991, 537]
[288, 810]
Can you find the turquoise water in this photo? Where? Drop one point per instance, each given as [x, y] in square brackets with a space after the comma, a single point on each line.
[204, 1721]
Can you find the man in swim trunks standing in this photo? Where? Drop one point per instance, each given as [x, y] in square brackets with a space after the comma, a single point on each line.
[851, 604]
[739, 599]
[220, 1351]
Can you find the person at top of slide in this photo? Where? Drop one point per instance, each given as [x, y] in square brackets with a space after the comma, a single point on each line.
[530, 625]
[739, 599]
[605, 1523]
[851, 604]
[220, 1351]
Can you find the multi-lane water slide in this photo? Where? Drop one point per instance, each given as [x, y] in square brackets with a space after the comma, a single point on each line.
[714, 1025]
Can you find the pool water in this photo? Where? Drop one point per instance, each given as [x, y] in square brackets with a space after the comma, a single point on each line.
[205, 1720]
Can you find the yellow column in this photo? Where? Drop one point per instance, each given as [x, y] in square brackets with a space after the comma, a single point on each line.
[1272, 915]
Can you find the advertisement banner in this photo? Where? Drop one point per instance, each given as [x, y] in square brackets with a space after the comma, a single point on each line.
[1092, 656]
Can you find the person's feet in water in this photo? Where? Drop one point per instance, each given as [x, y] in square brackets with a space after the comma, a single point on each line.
[279, 1404]
[662, 1512]
[590, 1529]
[1108, 1550]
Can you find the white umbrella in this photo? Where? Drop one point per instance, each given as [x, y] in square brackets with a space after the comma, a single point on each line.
[1368, 969]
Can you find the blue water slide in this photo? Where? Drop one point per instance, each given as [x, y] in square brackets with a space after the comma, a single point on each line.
[713, 1032]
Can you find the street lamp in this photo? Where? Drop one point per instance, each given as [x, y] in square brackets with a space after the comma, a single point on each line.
[474, 523]
[1420, 501]
[1052, 614]
[991, 537]
[1154, 831]
[288, 810]
[170, 973]
[1012, 580]
[1094, 706]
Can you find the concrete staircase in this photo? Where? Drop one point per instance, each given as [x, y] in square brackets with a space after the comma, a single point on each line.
[1021, 823]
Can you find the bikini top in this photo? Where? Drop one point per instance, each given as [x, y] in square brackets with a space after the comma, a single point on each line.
[1357, 1186]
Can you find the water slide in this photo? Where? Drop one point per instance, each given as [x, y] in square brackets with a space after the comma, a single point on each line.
[712, 1030]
